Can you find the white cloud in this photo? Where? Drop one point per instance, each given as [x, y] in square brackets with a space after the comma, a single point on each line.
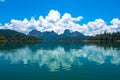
[99, 26]
[1, 27]
[115, 24]
[96, 27]
[115, 21]
[53, 16]
[57, 23]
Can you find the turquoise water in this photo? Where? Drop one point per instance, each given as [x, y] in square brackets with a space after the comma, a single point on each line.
[60, 61]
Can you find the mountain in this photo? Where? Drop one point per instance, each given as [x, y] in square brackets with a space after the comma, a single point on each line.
[66, 36]
[72, 36]
[7, 35]
[44, 35]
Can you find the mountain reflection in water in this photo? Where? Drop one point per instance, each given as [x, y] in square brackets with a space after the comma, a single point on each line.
[56, 56]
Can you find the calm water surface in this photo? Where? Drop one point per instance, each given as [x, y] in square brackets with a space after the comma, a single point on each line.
[60, 61]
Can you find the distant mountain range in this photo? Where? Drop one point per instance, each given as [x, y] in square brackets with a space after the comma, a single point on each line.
[52, 36]
[7, 35]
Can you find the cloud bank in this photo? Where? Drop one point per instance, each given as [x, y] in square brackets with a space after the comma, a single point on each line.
[56, 22]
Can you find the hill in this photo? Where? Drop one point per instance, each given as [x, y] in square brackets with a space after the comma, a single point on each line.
[44, 35]
[7, 35]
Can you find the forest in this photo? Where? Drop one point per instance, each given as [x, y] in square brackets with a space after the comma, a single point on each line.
[14, 36]
[106, 37]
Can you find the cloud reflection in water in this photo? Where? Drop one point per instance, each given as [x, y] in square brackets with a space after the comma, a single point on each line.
[59, 57]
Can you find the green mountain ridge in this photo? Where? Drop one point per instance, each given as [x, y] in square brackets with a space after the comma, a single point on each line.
[7, 35]
[67, 36]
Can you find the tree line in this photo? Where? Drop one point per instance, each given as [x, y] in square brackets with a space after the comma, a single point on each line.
[106, 36]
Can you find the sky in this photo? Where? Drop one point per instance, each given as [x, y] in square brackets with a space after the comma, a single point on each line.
[89, 17]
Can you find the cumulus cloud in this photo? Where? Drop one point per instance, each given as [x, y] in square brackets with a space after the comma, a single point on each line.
[56, 22]
[115, 24]
[1, 26]
[53, 16]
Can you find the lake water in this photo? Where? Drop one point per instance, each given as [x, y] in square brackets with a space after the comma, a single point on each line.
[60, 61]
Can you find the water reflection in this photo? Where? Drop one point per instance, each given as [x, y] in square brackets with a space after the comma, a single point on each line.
[55, 56]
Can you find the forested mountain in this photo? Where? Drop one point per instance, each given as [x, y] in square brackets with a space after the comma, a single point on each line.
[72, 36]
[66, 36]
[14, 36]
[35, 36]
[44, 35]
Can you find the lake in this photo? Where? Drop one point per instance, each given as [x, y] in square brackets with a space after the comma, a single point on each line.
[60, 61]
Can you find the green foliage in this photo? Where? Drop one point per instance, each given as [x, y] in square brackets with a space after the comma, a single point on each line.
[2, 37]
[106, 37]
[13, 36]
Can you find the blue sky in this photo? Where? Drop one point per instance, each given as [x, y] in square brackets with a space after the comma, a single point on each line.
[90, 10]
